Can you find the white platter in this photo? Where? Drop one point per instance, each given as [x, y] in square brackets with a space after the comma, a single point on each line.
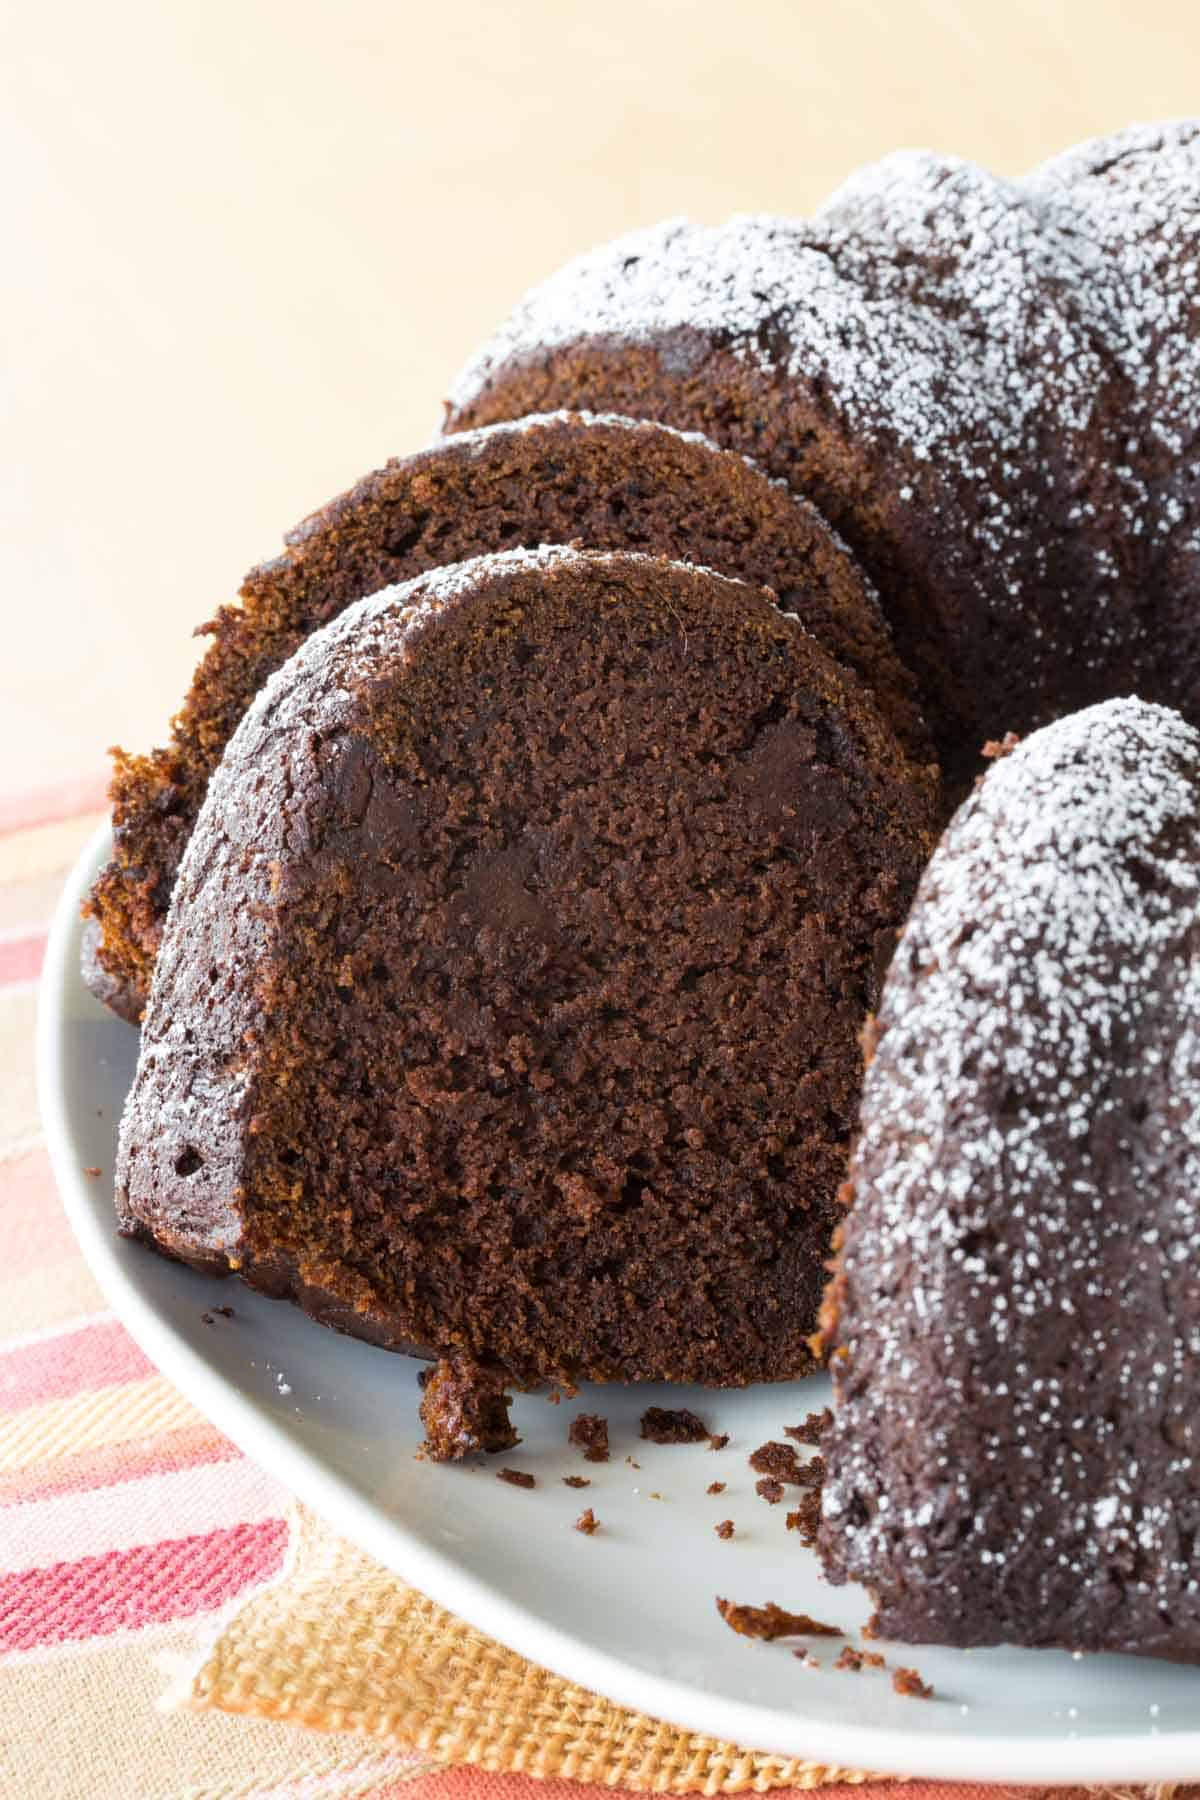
[628, 1612]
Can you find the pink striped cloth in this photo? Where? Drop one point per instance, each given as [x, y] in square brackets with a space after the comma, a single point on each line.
[126, 1521]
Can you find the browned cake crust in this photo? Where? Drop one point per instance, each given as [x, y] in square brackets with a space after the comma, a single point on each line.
[1014, 1319]
[607, 482]
[510, 996]
[990, 387]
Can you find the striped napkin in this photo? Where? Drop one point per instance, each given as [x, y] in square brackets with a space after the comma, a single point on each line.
[167, 1622]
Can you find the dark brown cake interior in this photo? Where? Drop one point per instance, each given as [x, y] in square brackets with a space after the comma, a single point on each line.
[554, 1031]
[910, 551]
[605, 482]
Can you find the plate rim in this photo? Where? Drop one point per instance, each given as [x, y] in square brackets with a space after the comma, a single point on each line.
[1141, 1757]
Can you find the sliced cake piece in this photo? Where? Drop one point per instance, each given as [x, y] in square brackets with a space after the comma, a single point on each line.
[1015, 1320]
[607, 482]
[509, 998]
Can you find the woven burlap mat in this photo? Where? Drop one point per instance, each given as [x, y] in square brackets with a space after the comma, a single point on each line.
[339, 1643]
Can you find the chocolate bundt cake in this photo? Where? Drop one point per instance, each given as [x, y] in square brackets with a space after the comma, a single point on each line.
[954, 368]
[1015, 1321]
[609, 482]
[509, 996]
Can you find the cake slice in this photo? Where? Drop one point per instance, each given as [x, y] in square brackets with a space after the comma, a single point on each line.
[607, 482]
[509, 997]
[1015, 1319]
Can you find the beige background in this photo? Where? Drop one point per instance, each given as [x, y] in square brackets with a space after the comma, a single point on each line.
[247, 243]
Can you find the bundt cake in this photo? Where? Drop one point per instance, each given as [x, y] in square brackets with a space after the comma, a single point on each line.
[989, 387]
[509, 932]
[509, 996]
[608, 482]
[1015, 1318]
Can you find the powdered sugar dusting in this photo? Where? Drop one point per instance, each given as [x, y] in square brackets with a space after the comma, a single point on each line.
[534, 422]
[1008, 362]
[1136, 198]
[951, 361]
[1021, 1316]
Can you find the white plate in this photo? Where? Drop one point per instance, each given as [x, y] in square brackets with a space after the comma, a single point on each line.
[628, 1612]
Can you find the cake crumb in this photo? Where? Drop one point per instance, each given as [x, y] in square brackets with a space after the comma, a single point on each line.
[779, 1460]
[715, 1487]
[206, 1318]
[909, 1683]
[807, 1658]
[815, 1425]
[995, 750]
[850, 1659]
[717, 1440]
[516, 1477]
[223, 1312]
[770, 1621]
[663, 1425]
[724, 1529]
[93, 1173]
[806, 1519]
[576, 1481]
[632, 1464]
[463, 1408]
[782, 1461]
[589, 1432]
[873, 1660]
[769, 1490]
[871, 1628]
[654, 1495]
[587, 1522]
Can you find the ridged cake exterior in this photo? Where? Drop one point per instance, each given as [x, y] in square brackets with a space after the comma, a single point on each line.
[990, 387]
[1015, 1321]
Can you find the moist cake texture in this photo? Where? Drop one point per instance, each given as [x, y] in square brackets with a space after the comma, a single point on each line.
[509, 935]
[509, 998]
[611, 483]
